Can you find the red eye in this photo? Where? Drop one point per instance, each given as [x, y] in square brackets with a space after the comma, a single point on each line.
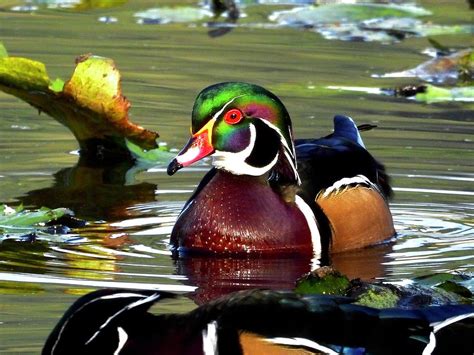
[233, 116]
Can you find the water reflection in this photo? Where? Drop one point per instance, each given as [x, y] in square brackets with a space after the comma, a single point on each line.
[215, 277]
[94, 190]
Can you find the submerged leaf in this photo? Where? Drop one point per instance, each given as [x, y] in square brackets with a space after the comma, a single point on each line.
[90, 104]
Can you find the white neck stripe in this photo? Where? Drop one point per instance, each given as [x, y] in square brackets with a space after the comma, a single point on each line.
[312, 225]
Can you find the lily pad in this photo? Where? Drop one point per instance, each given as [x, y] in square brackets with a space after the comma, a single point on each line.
[90, 104]
[441, 70]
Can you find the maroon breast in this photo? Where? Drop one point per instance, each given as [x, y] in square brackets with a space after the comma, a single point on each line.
[239, 215]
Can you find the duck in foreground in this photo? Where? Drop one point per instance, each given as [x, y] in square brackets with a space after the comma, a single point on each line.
[257, 322]
[267, 194]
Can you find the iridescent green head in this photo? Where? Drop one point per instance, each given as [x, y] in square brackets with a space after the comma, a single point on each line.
[245, 127]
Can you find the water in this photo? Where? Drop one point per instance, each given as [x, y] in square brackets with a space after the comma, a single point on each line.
[428, 149]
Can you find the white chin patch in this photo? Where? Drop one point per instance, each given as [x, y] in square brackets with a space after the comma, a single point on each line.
[235, 162]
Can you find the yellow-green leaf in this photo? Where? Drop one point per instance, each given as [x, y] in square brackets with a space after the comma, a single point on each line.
[23, 73]
[90, 104]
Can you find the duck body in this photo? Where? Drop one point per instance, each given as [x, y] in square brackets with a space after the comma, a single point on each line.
[242, 214]
[113, 321]
[270, 195]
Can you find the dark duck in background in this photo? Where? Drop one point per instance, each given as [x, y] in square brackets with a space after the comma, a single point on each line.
[270, 195]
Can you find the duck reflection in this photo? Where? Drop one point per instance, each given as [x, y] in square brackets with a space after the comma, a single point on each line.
[94, 189]
[217, 276]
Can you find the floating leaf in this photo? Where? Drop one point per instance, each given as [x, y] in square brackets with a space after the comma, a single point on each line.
[90, 104]
[445, 69]
[436, 94]
[365, 22]
[423, 291]
[160, 155]
[456, 288]
[33, 5]
[337, 13]
[24, 218]
[99, 4]
[166, 15]
[422, 93]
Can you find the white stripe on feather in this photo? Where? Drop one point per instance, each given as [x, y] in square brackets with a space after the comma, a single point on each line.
[209, 339]
[440, 325]
[117, 295]
[344, 182]
[312, 225]
[430, 346]
[126, 308]
[302, 342]
[123, 337]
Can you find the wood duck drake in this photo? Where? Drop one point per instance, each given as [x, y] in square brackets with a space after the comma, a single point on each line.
[267, 194]
[257, 322]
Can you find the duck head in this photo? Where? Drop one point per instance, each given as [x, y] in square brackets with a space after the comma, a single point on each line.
[245, 128]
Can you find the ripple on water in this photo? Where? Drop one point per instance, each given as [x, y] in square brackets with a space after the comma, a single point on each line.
[431, 238]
